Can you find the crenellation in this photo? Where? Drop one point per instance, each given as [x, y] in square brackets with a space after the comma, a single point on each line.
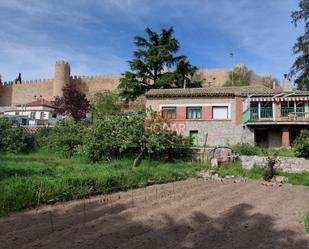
[12, 94]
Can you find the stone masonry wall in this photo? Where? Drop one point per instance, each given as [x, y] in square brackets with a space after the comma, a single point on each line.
[229, 131]
[18, 94]
[286, 164]
[93, 84]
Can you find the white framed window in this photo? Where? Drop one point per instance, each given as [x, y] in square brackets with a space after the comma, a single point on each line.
[194, 112]
[220, 112]
[168, 112]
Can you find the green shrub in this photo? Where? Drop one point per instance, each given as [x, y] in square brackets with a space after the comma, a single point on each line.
[114, 135]
[15, 139]
[301, 144]
[63, 139]
[249, 150]
[245, 149]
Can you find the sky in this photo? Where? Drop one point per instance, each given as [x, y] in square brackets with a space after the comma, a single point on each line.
[96, 36]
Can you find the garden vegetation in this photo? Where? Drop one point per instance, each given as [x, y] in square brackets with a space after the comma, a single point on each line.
[115, 151]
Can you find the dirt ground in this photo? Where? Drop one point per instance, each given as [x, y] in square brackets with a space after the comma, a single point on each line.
[188, 214]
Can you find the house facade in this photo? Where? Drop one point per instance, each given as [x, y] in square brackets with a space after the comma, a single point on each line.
[34, 114]
[221, 116]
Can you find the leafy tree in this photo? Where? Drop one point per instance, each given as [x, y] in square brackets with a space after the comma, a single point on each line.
[156, 65]
[269, 81]
[239, 76]
[15, 139]
[73, 102]
[301, 144]
[300, 68]
[106, 104]
[117, 133]
[64, 139]
[184, 73]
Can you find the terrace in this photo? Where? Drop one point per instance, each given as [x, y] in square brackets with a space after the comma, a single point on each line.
[276, 110]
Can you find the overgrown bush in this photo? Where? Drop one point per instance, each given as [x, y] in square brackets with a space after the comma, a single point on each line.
[114, 134]
[245, 149]
[15, 139]
[63, 139]
[301, 144]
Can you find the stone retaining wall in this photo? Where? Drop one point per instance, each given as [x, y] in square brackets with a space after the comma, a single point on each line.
[286, 164]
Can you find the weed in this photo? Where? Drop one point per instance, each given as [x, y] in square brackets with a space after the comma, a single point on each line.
[27, 180]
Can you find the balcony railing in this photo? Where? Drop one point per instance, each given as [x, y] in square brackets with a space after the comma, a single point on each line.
[290, 114]
[286, 111]
[265, 114]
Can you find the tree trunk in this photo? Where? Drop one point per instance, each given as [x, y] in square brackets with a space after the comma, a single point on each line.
[138, 159]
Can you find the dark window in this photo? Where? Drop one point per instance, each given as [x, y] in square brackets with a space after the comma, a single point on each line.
[42, 115]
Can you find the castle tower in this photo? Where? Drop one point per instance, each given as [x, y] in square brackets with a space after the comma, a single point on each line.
[62, 77]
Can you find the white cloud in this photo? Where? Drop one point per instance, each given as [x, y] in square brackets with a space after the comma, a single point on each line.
[34, 34]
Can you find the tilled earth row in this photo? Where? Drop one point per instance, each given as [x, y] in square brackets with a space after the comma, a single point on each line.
[187, 214]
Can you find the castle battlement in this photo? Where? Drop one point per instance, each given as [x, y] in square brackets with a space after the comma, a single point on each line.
[9, 83]
[12, 93]
[62, 62]
[95, 76]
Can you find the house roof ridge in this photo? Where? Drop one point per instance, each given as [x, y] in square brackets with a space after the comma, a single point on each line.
[210, 91]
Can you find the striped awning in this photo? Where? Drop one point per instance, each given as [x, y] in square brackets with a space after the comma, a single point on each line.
[279, 99]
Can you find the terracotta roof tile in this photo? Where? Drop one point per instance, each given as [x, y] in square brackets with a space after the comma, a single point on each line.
[210, 91]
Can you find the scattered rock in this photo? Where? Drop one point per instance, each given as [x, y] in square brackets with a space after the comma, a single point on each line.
[280, 179]
[214, 163]
[205, 174]
[268, 184]
[215, 176]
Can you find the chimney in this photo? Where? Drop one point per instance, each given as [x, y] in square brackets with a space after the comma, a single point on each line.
[286, 84]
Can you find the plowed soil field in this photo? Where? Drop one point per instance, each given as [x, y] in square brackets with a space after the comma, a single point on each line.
[187, 214]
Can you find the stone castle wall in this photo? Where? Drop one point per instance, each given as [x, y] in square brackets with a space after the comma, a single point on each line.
[93, 84]
[12, 93]
[27, 91]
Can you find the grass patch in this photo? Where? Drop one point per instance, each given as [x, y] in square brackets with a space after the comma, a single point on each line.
[248, 149]
[307, 222]
[256, 172]
[297, 178]
[236, 169]
[26, 180]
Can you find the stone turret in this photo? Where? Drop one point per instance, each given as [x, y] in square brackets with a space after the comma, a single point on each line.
[62, 77]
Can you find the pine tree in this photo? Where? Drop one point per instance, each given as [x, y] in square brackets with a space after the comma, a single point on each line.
[155, 65]
[300, 68]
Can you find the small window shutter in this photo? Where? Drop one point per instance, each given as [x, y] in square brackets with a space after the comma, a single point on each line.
[220, 112]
